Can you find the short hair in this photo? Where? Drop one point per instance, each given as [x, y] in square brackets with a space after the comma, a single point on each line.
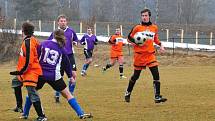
[146, 10]
[61, 16]
[28, 28]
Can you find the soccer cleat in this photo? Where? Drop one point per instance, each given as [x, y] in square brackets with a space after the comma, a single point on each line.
[127, 96]
[103, 69]
[23, 117]
[57, 99]
[86, 115]
[41, 119]
[83, 73]
[123, 77]
[18, 109]
[159, 99]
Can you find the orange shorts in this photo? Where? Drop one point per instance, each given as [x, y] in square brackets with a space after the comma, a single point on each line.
[29, 79]
[115, 54]
[143, 60]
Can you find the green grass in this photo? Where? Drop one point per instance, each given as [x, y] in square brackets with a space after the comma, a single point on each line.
[190, 90]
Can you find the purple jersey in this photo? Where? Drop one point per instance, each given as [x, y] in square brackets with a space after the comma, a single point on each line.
[51, 57]
[70, 38]
[89, 41]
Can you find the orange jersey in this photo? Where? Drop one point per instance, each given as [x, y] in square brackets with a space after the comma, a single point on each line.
[28, 62]
[145, 55]
[116, 49]
[151, 32]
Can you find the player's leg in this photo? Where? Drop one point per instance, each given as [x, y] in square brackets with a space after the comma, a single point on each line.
[72, 83]
[17, 86]
[109, 65]
[35, 99]
[131, 84]
[156, 84]
[28, 102]
[60, 86]
[121, 60]
[88, 55]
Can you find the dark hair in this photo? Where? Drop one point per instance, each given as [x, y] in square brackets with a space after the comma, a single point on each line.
[61, 16]
[146, 10]
[28, 28]
[59, 36]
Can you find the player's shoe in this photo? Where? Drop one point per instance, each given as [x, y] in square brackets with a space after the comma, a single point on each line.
[41, 119]
[103, 69]
[159, 99]
[127, 96]
[123, 77]
[18, 109]
[83, 73]
[57, 99]
[86, 115]
[23, 117]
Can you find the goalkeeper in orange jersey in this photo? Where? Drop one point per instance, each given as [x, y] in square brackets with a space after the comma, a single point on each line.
[144, 54]
[116, 54]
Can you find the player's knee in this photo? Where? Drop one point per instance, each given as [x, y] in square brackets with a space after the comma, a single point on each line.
[32, 93]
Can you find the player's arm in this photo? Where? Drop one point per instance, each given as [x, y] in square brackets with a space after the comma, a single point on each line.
[131, 35]
[158, 42]
[112, 40]
[27, 61]
[96, 41]
[82, 41]
[51, 36]
[75, 39]
[66, 62]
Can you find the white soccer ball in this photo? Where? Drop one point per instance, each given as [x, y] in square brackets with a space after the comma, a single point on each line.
[140, 38]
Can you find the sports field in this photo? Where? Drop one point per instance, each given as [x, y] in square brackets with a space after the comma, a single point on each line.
[187, 82]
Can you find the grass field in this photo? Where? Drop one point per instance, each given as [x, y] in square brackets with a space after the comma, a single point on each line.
[190, 89]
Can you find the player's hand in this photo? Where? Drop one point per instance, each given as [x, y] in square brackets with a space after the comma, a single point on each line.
[15, 73]
[162, 49]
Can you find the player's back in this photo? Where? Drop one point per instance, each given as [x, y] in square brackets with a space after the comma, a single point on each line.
[50, 59]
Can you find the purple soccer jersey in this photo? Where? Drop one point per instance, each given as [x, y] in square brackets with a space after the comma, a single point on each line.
[89, 41]
[51, 56]
[70, 38]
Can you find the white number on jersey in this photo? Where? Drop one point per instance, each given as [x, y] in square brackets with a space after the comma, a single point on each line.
[50, 56]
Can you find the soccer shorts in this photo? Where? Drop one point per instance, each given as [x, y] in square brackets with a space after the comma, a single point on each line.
[88, 53]
[16, 82]
[143, 60]
[57, 85]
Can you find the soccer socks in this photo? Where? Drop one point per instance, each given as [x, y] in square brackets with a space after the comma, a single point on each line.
[121, 70]
[72, 86]
[108, 66]
[156, 84]
[131, 85]
[57, 94]
[18, 95]
[74, 104]
[27, 106]
[38, 108]
[85, 67]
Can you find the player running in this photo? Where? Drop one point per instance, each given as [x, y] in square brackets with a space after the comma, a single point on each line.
[88, 40]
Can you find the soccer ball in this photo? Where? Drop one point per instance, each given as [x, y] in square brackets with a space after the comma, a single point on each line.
[140, 38]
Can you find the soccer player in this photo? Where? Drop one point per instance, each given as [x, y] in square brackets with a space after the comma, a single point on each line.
[29, 69]
[71, 38]
[144, 56]
[116, 42]
[52, 54]
[88, 40]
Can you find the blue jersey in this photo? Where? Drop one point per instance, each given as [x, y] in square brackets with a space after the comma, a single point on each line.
[71, 36]
[51, 55]
[89, 41]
